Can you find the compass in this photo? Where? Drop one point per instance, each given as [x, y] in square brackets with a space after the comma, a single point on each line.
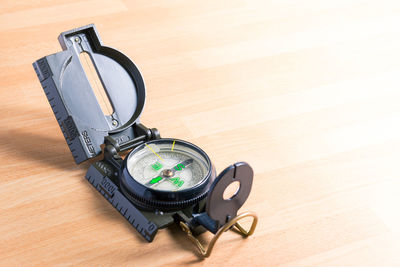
[97, 95]
[167, 174]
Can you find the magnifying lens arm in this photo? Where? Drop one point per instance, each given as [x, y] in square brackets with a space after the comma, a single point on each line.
[220, 214]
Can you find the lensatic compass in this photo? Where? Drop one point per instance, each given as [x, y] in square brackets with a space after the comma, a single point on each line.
[97, 95]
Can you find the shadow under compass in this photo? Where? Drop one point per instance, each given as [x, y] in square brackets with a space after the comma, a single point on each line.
[32, 149]
[42, 149]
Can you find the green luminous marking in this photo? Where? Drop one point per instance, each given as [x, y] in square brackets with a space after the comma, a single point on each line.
[156, 166]
[156, 180]
[177, 181]
[179, 167]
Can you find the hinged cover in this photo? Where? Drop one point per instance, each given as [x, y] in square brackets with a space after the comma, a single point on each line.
[70, 94]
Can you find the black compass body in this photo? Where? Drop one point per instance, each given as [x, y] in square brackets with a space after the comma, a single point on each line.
[152, 181]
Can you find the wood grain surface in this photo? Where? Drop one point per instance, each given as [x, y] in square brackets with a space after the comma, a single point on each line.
[307, 92]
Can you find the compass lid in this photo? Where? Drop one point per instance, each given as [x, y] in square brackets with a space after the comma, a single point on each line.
[94, 91]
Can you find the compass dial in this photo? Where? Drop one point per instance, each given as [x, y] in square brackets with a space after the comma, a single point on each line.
[166, 174]
[167, 166]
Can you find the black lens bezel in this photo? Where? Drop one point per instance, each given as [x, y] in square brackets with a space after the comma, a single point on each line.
[161, 199]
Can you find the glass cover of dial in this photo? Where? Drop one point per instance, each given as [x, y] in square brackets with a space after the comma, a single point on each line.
[168, 166]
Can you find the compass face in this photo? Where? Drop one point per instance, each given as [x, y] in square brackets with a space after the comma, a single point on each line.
[168, 165]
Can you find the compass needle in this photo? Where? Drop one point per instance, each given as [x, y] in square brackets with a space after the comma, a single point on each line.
[167, 174]
[155, 180]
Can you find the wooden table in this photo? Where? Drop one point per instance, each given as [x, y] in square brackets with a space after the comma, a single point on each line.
[307, 92]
